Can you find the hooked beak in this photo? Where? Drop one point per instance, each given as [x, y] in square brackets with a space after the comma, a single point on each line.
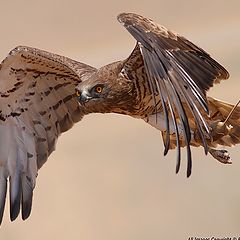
[84, 97]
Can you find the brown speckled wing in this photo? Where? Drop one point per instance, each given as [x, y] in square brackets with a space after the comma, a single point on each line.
[38, 103]
[179, 72]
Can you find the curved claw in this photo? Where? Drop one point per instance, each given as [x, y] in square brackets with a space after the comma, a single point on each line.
[222, 155]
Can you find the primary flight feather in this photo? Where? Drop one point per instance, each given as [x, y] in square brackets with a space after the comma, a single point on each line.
[164, 82]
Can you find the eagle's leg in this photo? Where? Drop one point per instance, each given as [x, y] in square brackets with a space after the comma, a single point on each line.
[218, 129]
[221, 155]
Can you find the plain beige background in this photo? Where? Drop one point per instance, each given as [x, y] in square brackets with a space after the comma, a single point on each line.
[108, 178]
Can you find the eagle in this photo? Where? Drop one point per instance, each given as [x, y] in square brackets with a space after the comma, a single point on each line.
[164, 82]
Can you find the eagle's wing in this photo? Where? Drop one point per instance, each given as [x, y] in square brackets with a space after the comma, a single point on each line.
[37, 104]
[178, 71]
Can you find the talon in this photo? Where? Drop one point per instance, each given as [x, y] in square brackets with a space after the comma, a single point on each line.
[219, 129]
[222, 156]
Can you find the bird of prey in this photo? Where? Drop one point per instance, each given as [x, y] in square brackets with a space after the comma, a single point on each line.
[163, 82]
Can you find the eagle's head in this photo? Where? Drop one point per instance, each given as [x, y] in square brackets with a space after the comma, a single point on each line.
[107, 90]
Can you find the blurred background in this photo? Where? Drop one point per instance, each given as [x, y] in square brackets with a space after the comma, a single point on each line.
[108, 178]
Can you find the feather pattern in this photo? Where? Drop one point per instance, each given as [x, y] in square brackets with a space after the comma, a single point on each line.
[178, 71]
[164, 82]
[38, 103]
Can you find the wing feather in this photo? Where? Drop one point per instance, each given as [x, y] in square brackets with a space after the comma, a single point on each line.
[178, 71]
[38, 103]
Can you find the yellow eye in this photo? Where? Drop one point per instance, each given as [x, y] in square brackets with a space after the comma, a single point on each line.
[98, 89]
[78, 93]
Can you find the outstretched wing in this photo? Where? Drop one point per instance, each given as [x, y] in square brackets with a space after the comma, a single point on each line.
[37, 104]
[178, 71]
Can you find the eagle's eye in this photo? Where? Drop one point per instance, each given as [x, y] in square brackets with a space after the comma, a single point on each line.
[78, 93]
[98, 89]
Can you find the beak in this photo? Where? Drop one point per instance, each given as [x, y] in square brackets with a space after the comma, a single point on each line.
[84, 97]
